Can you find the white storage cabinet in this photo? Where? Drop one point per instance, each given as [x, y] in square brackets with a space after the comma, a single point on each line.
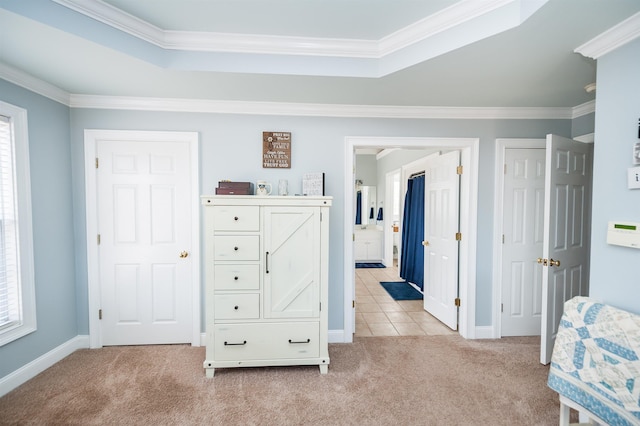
[368, 245]
[266, 281]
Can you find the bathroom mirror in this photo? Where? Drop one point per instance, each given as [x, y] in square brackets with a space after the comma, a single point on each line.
[366, 212]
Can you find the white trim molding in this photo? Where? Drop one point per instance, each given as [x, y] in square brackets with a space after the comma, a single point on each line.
[469, 149]
[501, 145]
[319, 110]
[623, 33]
[91, 139]
[34, 84]
[508, 13]
[37, 366]
[50, 91]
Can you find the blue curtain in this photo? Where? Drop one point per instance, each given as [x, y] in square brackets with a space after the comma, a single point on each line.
[359, 208]
[412, 259]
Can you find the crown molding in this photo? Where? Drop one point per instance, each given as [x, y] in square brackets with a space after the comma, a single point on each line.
[583, 109]
[446, 19]
[34, 84]
[116, 18]
[586, 138]
[20, 78]
[451, 17]
[619, 35]
[316, 110]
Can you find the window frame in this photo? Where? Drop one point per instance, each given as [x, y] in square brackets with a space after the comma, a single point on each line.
[27, 324]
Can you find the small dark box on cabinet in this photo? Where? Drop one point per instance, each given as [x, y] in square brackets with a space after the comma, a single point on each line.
[234, 188]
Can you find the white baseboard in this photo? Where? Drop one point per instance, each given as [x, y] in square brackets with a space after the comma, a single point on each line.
[485, 332]
[336, 336]
[38, 365]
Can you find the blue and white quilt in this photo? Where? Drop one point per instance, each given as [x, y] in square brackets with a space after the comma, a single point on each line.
[596, 360]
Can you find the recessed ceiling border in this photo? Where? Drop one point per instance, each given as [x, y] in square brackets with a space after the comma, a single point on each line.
[448, 18]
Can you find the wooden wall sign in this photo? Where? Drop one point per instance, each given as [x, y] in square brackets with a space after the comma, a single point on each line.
[276, 150]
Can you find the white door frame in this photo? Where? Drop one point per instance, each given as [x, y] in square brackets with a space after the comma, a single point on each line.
[91, 138]
[469, 148]
[498, 216]
[387, 251]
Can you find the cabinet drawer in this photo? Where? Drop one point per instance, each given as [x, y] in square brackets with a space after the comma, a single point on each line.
[236, 247]
[236, 218]
[245, 342]
[236, 277]
[236, 306]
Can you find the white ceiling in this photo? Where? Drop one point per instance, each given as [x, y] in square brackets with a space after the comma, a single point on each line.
[468, 53]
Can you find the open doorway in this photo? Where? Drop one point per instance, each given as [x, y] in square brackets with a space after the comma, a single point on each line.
[468, 148]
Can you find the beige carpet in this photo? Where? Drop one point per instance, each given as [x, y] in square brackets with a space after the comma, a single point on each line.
[425, 380]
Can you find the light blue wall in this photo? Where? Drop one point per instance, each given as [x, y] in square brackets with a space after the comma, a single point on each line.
[583, 125]
[231, 149]
[614, 270]
[52, 217]
[367, 169]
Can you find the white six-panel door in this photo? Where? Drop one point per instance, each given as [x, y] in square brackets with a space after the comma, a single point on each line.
[522, 232]
[566, 231]
[442, 198]
[144, 220]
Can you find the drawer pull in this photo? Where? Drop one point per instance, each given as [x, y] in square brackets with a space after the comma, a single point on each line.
[235, 344]
[266, 262]
[235, 218]
[235, 307]
[235, 278]
[303, 341]
[236, 248]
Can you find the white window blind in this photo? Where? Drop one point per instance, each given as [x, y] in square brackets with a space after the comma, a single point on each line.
[10, 306]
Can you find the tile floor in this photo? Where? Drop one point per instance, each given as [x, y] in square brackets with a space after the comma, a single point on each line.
[377, 314]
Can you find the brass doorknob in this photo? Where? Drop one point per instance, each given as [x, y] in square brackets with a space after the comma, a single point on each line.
[184, 254]
[554, 262]
[425, 243]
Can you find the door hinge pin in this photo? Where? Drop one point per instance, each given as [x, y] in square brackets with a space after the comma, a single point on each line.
[99, 313]
[458, 236]
[457, 302]
[459, 170]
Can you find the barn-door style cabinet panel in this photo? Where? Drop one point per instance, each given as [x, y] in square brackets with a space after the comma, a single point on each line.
[266, 281]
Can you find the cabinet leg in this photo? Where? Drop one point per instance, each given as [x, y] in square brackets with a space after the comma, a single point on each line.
[210, 372]
[324, 368]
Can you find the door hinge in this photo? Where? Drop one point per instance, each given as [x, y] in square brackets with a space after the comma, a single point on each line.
[505, 169]
[353, 304]
[458, 236]
[353, 237]
[97, 162]
[320, 306]
[457, 302]
[502, 307]
[502, 238]
[99, 313]
[320, 216]
[98, 239]
[459, 170]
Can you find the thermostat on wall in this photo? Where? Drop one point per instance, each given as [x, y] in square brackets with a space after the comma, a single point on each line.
[625, 234]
